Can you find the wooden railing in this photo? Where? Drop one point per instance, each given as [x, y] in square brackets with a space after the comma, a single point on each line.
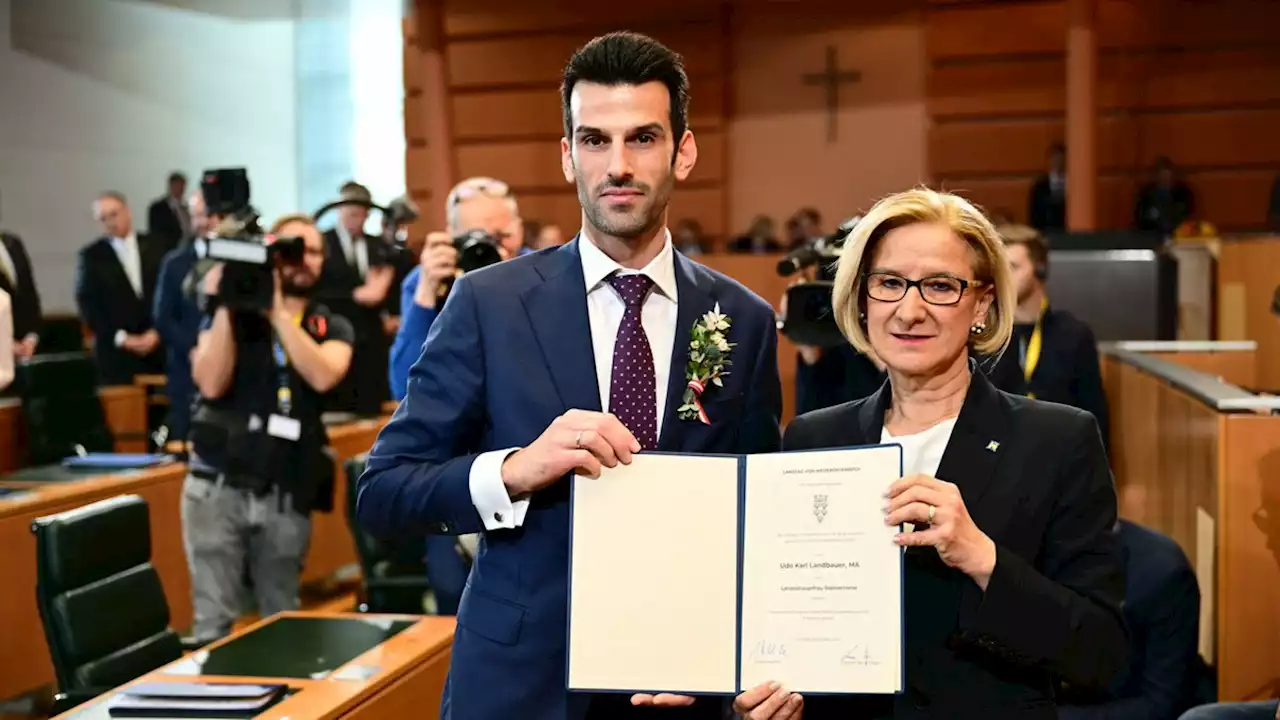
[1198, 458]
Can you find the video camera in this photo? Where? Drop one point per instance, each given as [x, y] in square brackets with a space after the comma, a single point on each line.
[249, 256]
[810, 319]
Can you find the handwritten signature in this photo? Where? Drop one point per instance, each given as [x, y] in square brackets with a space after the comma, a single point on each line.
[859, 655]
[767, 651]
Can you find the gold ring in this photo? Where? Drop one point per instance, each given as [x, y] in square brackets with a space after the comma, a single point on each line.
[578, 441]
[931, 511]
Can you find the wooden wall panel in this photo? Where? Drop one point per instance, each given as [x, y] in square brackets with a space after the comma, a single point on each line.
[512, 114]
[1189, 79]
[470, 18]
[966, 32]
[504, 60]
[523, 165]
[1198, 82]
[540, 59]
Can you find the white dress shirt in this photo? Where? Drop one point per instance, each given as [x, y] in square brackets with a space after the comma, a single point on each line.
[6, 341]
[355, 249]
[7, 268]
[127, 250]
[605, 309]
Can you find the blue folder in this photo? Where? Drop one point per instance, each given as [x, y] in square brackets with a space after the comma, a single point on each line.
[115, 461]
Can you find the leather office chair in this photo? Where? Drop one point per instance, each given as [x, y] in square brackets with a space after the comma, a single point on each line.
[394, 577]
[62, 408]
[105, 615]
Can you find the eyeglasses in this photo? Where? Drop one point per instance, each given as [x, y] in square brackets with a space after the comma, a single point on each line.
[488, 188]
[935, 289]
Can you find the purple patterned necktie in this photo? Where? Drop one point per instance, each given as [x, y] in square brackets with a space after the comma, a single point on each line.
[633, 387]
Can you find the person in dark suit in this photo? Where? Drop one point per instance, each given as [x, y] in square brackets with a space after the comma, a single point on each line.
[115, 286]
[760, 239]
[18, 280]
[516, 389]
[1162, 609]
[1164, 202]
[1047, 211]
[168, 217]
[1053, 355]
[176, 316]
[357, 275]
[1013, 573]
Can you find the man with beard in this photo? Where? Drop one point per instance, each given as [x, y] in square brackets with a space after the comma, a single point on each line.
[257, 438]
[563, 361]
[1053, 355]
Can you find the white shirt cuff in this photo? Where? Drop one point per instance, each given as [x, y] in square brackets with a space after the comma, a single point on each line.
[120, 338]
[488, 493]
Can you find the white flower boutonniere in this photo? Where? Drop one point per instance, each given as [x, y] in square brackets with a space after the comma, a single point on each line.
[708, 357]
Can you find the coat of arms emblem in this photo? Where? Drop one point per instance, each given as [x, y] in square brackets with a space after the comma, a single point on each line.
[819, 507]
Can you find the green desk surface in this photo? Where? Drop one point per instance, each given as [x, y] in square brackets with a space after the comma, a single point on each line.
[292, 647]
[58, 473]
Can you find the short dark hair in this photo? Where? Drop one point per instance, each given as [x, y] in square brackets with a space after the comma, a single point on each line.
[177, 176]
[628, 58]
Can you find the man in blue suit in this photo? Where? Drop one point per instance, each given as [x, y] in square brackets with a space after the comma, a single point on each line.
[563, 361]
[177, 318]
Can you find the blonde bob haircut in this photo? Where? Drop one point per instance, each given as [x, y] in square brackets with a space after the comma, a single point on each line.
[922, 205]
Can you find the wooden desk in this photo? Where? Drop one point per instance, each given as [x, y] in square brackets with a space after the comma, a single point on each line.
[24, 655]
[332, 547]
[405, 676]
[125, 407]
[1193, 461]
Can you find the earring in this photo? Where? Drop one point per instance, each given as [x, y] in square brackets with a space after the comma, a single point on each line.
[978, 328]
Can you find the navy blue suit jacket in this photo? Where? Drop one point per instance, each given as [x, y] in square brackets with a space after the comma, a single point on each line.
[1162, 609]
[511, 351]
[177, 319]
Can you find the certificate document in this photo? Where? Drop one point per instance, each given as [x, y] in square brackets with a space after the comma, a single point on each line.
[701, 574]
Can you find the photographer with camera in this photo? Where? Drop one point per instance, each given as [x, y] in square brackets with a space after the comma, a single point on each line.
[829, 371]
[484, 227]
[258, 466]
[482, 220]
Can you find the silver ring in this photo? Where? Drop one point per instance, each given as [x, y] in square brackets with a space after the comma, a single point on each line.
[931, 511]
[578, 441]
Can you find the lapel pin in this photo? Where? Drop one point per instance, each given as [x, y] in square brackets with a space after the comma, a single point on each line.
[993, 446]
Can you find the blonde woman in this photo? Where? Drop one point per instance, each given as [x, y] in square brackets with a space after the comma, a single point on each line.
[1013, 578]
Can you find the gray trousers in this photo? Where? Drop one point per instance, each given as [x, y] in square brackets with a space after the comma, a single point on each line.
[225, 530]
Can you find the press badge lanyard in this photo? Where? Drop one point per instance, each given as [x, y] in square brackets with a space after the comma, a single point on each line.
[284, 395]
[1032, 358]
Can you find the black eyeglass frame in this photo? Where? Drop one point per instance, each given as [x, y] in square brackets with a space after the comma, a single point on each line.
[919, 286]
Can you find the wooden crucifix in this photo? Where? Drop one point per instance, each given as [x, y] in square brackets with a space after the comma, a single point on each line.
[830, 79]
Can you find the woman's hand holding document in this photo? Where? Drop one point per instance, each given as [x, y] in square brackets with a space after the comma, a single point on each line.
[716, 574]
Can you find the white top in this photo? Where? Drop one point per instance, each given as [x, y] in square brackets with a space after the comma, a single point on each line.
[922, 451]
[605, 309]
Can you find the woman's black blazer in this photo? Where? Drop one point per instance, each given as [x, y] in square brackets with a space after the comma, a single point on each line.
[1035, 479]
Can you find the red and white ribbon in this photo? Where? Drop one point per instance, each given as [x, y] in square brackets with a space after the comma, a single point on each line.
[698, 389]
